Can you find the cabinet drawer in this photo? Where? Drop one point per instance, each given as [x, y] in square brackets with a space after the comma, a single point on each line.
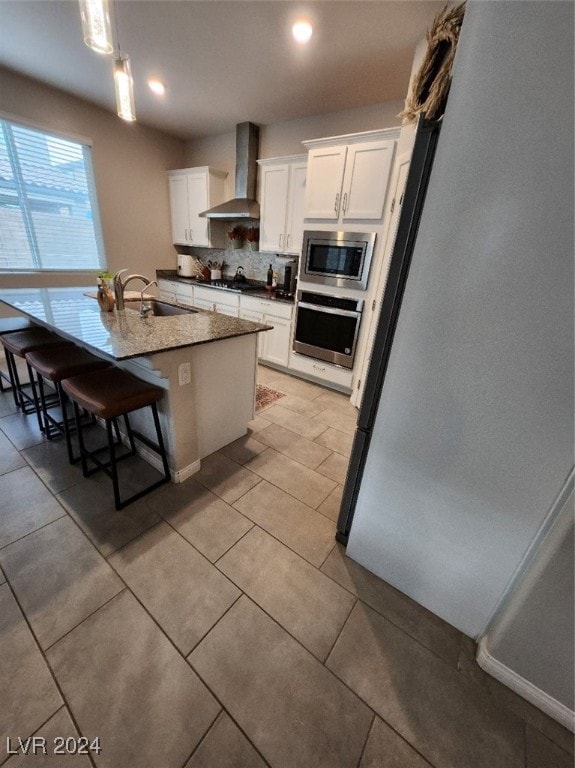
[341, 378]
[217, 297]
[276, 308]
[168, 285]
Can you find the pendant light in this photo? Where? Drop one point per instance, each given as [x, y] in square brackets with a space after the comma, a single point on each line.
[96, 26]
[123, 82]
[124, 86]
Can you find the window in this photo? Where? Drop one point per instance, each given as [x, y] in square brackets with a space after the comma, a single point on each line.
[48, 210]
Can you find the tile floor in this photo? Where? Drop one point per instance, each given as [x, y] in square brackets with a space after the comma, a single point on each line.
[216, 623]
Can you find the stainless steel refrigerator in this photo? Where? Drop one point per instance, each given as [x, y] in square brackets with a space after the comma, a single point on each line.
[421, 163]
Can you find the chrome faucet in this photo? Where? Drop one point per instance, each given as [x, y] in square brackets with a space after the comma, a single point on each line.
[145, 309]
[120, 285]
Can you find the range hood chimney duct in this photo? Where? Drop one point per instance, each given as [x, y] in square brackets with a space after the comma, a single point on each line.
[244, 205]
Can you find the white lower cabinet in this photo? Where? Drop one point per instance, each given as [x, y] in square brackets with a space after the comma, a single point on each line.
[167, 290]
[176, 292]
[333, 375]
[216, 301]
[274, 345]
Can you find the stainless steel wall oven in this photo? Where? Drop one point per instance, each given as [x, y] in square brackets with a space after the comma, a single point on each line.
[326, 327]
[341, 259]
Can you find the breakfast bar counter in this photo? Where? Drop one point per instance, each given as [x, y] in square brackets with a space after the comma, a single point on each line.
[206, 363]
[122, 334]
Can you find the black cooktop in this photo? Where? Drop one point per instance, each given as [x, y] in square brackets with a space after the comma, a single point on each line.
[235, 285]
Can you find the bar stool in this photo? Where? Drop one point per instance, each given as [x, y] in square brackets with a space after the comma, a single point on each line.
[55, 364]
[17, 344]
[11, 325]
[109, 394]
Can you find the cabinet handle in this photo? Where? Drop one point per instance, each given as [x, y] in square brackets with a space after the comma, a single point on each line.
[345, 202]
[287, 241]
[281, 245]
[318, 367]
[191, 236]
[337, 204]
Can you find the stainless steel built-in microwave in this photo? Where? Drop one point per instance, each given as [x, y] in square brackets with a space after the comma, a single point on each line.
[341, 259]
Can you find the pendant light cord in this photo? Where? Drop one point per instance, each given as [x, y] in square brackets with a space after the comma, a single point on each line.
[117, 29]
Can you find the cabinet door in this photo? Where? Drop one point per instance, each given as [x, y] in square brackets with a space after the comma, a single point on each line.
[225, 309]
[185, 294]
[295, 208]
[198, 202]
[274, 201]
[324, 181]
[204, 304]
[367, 173]
[255, 317]
[179, 209]
[275, 345]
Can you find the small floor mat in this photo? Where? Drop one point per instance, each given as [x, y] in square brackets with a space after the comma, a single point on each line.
[266, 396]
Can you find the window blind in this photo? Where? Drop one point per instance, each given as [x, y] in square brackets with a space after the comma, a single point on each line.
[48, 208]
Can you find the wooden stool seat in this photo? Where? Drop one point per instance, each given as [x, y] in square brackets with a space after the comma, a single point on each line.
[56, 363]
[109, 394]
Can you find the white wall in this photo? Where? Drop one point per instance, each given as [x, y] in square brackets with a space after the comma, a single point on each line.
[474, 435]
[130, 164]
[530, 646]
[285, 138]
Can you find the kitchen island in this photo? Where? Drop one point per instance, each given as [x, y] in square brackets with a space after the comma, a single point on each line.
[206, 363]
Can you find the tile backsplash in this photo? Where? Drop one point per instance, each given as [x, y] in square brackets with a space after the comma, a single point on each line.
[255, 263]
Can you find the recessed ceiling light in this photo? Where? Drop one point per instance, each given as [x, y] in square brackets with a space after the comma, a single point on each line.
[302, 31]
[156, 86]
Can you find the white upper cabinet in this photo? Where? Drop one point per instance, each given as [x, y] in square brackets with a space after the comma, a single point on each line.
[283, 183]
[348, 177]
[193, 190]
[326, 166]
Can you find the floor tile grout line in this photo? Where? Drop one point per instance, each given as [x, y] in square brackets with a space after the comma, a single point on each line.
[85, 618]
[194, 547]
[305, 650]
[244, 466]
[201, 741]
[343, 626]
[48, 667]
[228, 713]
[25, 536]
[283, 453]
[323, 562]
[63, 706]
[369, 732]
[33, 468]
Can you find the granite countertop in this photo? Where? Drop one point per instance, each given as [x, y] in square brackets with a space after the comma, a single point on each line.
[122, 334]
[251, 288]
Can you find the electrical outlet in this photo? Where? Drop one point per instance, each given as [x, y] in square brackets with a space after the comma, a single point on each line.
[184, 374]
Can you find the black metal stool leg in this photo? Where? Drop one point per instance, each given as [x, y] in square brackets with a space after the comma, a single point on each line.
[113, 467]
[81, 445]
[14, 378]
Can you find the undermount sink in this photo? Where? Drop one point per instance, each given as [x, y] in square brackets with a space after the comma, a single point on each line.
[160, 308]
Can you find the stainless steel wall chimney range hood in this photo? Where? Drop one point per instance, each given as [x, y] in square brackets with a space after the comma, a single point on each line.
[244, 205]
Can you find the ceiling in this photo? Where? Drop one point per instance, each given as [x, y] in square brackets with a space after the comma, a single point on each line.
[225, 61]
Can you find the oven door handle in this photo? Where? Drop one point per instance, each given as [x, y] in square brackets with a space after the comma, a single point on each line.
[327, 310]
